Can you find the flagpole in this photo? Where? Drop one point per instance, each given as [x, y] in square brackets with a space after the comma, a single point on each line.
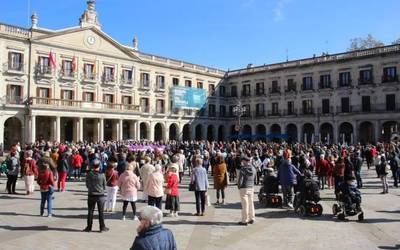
[29, 11]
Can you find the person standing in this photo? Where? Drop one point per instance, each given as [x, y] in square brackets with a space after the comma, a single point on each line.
[151, 234]
[129, 184]
[96, 185]
[200, 181]
[287, 174]
[322, 168]
[357, 164]
[246, 178]
[111, 186]
[181, 163]
[62, 169]
[29, 171]
[46, 182]
[172, 191]
[154, 187]
[13, 166]
[220, 178]
[394, 167]
[382, 169]
[77, 161]
[145, 171]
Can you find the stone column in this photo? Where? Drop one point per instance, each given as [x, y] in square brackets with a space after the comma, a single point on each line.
[80, 129]
[101, 129]
[335, 132]
[132, 131]
[355, 137]
[299, 134]
[377, 130]
[193, 131]
[137, 132]
[57, 129]
[32, 128]
[121, 130]
[151, 137]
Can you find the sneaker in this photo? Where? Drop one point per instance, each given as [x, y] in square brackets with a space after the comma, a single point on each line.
[176, 214]
[169, 215]
[242, 223]
[223, 202]
[87, 230]
[105, 229]
[290, 205]
[123, 218]
[49, 216]
[251, 222]
[135, 218]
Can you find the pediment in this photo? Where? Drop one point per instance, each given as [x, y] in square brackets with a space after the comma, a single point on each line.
[88, 39]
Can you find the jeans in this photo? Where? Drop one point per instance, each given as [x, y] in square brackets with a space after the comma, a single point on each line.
[222, 193]
[384, 183]
[111, 197]
[62, 177]
[287, 191]
[247, 200]
[77, 173]
[322, 181]
[395, 175]
[125, 205]
[11, 182]
[155, 201]
[200, 201]
[358, 178]
[46, 196]
[92, 201]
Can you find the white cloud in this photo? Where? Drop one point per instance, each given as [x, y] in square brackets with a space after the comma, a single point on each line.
[279, 10]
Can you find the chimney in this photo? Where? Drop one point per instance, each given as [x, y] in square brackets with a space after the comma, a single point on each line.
[135, 43]
[34, 21]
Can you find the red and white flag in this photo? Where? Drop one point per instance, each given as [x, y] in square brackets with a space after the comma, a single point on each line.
[52, 59]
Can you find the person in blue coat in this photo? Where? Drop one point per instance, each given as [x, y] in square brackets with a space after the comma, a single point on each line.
[151, 234]
[287, 175]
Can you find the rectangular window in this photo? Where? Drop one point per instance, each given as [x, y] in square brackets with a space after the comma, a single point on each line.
[260, 88]
[127, 76]
[67, 94]
[15, 61]
[345, 102]
[126, 100]
[222, 111]
[307, 107]
[231, 112]
[365, 76]
[160, 107]
[325, 82]
[160, 82]
[290, 107]
[307, 83]
[275, 87]
[211, 89]
[211, 110]
[325, 106]
[366, 103]
[175, 81]
[44, 65]
[233, 91]
[275, 110]
[344, 79]
[389, 74]
[145, 80]
[108, 75]
[44, 93]
[88, 96]
[247, 110]
[246, 90]
[108, 98]
[291, 85]
[260, 109]
[222, 91]
[188, 83]
[199, 85]
[391, 102]
[89, 71]
[14, 94]
[144, 105]
[67, 68]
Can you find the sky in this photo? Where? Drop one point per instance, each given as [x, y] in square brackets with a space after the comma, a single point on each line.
[226, 34]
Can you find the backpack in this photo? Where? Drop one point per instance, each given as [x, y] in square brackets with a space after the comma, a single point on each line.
[27, 168]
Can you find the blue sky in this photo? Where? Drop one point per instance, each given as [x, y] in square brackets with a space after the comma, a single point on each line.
[227, 34]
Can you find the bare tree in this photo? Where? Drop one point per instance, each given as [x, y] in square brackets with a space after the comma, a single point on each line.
[364, 43]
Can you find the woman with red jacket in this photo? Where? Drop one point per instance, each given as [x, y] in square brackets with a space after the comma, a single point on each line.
[111, 185]
[76, 163]
[46, 182]
[338, 172]
[172, 191]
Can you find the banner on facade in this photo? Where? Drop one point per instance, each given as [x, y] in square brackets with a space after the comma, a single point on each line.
[188, 98]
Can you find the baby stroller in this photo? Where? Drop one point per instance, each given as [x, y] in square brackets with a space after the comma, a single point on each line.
[348, 202]
[306, 200]
[268, 194]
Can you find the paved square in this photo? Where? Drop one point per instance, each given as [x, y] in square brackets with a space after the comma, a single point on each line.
[21, 227]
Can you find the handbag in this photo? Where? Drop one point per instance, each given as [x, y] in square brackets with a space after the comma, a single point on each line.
[192, 187]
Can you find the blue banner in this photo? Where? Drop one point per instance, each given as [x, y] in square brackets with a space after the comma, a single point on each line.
[188, 98]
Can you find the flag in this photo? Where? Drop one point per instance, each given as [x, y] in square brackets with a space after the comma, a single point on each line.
[52, 59]
[94, 68]
[74, 64]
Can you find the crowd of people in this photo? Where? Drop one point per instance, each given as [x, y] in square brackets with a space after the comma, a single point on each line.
[157, 169]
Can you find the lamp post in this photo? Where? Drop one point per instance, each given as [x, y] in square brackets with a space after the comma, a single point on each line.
[239, 111]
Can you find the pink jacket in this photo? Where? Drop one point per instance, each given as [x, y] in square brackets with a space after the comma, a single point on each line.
[154, 185]
[129, 183]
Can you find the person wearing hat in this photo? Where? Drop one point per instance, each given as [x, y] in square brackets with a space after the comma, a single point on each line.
[96, 185]
[151, 234]
[246, 178]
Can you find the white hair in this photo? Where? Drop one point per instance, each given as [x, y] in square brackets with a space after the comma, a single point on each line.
[157, 168]
[152, 214]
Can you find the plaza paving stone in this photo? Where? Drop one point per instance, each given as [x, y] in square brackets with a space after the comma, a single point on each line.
[21, 227]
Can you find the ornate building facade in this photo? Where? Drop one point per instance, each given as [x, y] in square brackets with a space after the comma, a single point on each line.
[79, 84]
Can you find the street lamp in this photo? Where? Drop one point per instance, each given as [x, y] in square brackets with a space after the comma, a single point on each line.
[239, 111]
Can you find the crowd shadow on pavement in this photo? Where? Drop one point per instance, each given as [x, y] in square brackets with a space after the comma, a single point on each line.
[390, 212]
[39, 228]
[201, 223]
[17, 197]
[397, 246]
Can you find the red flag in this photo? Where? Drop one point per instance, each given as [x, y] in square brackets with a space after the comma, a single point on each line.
[52, 59]
[74, 64]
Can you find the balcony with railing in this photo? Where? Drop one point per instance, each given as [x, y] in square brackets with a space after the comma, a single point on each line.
[344, 84]
[326, 111]
[274, 113]
[289, 112]
[290, 90]
[325, 85]
[45, 71]
[67, 74]
[260, 92]
[126, 82]
[144, 85]
[307, 88]
[90, 77]
[14, 100]
[160, 111]
[343, 109]
[145, 109]
[14, 68]
[275, 91]
[260, 114]
[308, 111]
[390, 78]
[108, 79]
[375, 108]
[365, 81]
[246, 94]
[84, 105]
